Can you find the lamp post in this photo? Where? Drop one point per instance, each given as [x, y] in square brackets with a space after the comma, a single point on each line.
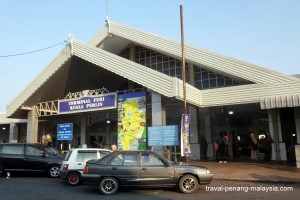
[184, 81]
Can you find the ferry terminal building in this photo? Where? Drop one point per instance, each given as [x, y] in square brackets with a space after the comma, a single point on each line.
[225, 96]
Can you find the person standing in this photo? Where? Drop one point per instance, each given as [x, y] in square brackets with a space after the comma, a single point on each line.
[216, 148]
[222, 150]
[267, 145]
[254, 146]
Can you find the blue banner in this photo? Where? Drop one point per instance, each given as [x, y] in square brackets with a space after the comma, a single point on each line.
[88, 103]
[65, 131]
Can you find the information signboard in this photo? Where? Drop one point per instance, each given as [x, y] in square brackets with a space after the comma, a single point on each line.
[65, 131]
[163, 135]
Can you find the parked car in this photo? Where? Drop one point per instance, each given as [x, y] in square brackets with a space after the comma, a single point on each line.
[29, 158]
[74, 162]
[143, 169]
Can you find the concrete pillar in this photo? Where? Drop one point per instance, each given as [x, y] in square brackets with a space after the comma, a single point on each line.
[158, 116]
[278, 147]
[191, 74]
[208, 135]
[13, 133]
[32, 126]
[297, 123]
[83, 130]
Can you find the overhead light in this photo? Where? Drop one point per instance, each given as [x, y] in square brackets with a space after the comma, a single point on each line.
[230, 112]
[294, 134]
[108, 121]
[3, 128]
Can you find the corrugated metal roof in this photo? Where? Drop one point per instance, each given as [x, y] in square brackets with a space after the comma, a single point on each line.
[248, 93]
[99, 37]
[212, 61]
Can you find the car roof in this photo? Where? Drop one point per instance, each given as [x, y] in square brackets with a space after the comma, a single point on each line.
[87, 149]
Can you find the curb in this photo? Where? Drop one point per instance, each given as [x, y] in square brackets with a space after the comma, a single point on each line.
[259, 181]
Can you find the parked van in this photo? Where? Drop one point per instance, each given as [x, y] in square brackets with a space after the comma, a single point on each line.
[75, 160]
[29, 158]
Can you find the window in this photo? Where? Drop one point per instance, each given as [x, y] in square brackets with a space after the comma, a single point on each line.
[13, 149]
[151, 160]
[104, 153]
[130, 159]
[126, 159]
[118, 160]
[84, 156]
[32, 151]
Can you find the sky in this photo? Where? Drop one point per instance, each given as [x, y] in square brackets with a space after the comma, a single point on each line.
[261, 32]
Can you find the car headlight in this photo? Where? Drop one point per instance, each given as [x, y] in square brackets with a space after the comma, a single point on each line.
[208, 172]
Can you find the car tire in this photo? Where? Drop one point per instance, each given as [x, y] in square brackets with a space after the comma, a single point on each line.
[54, 171]
[2, 171]
[73, 178]
[188, 184]
[108, 185]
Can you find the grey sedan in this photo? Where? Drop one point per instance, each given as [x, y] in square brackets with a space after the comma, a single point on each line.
[143, 169]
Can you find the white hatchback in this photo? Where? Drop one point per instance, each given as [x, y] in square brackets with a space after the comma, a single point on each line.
[75, 160]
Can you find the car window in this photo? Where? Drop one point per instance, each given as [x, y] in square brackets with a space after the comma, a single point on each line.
[68, 155]
[83, 156]
[130, 159]
[118, 160]
[126, 159]
[151, 160]
[32, 151]
[51, 150]
[13, 149]
[103, 153]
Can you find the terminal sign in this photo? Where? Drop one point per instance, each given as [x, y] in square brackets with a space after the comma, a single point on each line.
[65, 131]
[88, 103]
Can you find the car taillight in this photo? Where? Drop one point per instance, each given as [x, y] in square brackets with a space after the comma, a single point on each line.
[66, 166]
[86, 170]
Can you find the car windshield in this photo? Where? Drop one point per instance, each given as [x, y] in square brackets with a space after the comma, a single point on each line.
[51, 150]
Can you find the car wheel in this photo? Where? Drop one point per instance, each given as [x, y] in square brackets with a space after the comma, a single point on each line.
[73, 178]
[54, 171]
[2, 171]
[108, 185]
[188, 184]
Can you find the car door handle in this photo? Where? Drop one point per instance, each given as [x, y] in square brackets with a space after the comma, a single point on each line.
[114, 168]
[79, 164]
[144, 169]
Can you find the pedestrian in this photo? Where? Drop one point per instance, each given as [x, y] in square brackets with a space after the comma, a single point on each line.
[267, 145]
[216, 148]
[114, 148]
[222, 150]
[254, 146]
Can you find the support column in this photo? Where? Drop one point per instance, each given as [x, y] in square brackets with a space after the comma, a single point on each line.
[13, 133]
[278, 147]
[297, 123]
[191, 74]
[83, 130]
[208, 134]
[158, 116]
[32, 126]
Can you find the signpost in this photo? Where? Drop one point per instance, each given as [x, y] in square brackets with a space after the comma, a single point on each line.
[65, 131]
[163, 135]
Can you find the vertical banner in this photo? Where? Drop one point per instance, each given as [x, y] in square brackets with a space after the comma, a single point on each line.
[185, 134]
[132, 121]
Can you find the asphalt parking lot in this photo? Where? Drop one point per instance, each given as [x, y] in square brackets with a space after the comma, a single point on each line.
[37, 187]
